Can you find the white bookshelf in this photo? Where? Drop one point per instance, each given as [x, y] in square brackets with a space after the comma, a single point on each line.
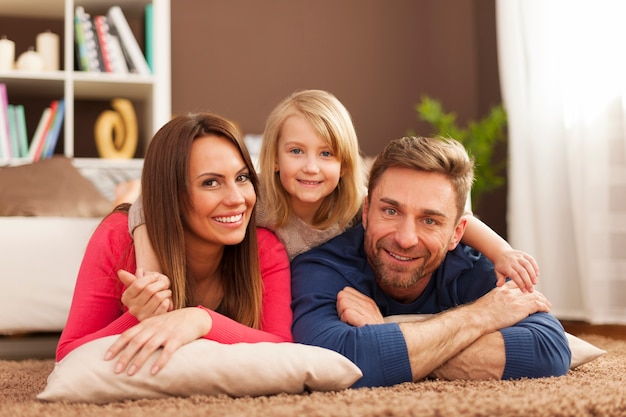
[152, 91]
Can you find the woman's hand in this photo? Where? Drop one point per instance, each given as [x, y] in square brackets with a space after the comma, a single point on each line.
[519, 266]
[147, 294]
[168, 331]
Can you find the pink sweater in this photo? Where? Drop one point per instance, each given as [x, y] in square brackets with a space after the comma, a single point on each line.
[97, 310]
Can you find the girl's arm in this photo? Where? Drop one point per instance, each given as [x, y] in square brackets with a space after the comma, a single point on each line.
[508, 262]
[148, 291]
[146, 257]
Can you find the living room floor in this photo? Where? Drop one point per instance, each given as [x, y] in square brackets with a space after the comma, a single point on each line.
[577, 328]
[43, 345]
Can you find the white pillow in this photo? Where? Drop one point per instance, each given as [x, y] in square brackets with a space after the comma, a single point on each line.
[201, 367]
[47, 283]
[582, 351]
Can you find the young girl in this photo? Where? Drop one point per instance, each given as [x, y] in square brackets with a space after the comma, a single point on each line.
[312, 189]
[227, 281]
[313, 183]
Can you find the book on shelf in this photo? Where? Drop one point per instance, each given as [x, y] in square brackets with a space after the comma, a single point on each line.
[15, 147]
[38, 143]
[149, 36]
[34, 151]
[5, 140]
[55, 128]
[22, 134]
[90, 45]
[102, 30]
[112, 54]
[93, 45]
[118, 25]
[18, 143]
[80, 52]
[117, 55]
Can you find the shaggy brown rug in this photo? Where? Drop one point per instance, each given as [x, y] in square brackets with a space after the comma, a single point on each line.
[597, 388]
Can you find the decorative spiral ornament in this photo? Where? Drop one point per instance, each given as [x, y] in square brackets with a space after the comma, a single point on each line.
[116, 131]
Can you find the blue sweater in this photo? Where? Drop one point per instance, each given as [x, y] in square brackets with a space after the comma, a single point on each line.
[535, 347]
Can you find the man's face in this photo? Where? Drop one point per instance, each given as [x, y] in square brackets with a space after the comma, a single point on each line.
[410, 225]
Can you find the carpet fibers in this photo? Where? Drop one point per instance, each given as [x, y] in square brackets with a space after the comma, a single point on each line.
[597, 388]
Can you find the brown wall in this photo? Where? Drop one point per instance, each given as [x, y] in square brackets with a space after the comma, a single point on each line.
[240, 57]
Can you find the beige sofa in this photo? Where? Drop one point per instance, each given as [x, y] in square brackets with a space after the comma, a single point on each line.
[48, 211]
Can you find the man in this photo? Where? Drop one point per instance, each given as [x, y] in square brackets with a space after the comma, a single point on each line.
[405, 258]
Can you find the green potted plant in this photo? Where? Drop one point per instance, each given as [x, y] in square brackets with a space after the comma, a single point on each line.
[479, 138]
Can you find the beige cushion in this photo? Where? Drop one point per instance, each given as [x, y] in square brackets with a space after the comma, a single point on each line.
[201, 367]
[582, 351]
[50, 187]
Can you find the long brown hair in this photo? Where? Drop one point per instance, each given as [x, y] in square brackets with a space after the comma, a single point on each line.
[166, 196]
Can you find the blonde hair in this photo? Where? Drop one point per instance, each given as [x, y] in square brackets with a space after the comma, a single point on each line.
[331, 121]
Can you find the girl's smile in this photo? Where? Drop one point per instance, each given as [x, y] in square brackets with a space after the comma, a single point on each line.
[308, 168]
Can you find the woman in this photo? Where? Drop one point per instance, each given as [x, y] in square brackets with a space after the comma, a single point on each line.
[229, 281]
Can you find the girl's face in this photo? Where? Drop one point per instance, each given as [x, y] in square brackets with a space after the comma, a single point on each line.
[222, 195]
[309, 171]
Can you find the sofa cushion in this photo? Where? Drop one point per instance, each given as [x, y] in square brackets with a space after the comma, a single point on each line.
[50, 187]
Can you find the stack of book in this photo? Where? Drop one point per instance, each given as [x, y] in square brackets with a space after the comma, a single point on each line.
[105, 43]
[14, 142]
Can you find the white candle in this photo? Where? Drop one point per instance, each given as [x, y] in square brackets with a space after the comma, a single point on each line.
[7, 54]
[48, 49]
[29, 61]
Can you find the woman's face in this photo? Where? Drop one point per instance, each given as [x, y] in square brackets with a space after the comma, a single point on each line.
[221, 192]
[309, 169]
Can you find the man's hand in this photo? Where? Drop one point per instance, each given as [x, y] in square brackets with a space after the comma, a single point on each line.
[357, 309]
[432, 343]
[519, 267]
[147, 294]
[506, 305]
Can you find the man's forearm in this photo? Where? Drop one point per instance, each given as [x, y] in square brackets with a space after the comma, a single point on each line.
[432, 343]
[484, 359]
